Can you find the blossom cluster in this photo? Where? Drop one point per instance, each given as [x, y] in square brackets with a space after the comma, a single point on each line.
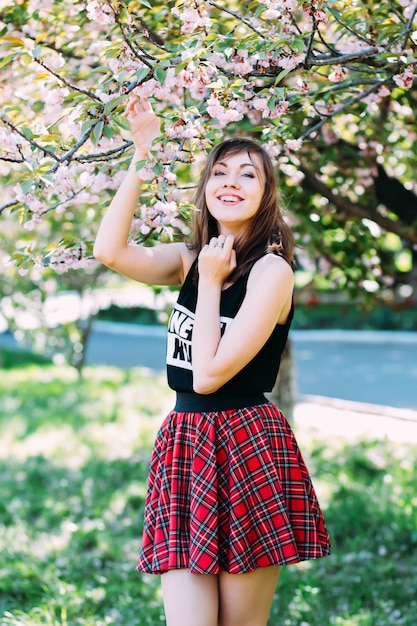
[194, 16]
[64, 258]
[163, 215]
[100, 11]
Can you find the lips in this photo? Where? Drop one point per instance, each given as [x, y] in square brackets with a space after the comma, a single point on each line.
[228, 198]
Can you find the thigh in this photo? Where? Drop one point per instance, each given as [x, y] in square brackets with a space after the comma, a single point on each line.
[190, 599]
[245, 599]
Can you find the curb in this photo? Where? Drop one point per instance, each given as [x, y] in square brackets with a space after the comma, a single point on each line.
[356, 336]
[348, 336]
[407, 415]
[134, 330]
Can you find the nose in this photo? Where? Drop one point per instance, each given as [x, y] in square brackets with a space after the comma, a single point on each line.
[231, 181]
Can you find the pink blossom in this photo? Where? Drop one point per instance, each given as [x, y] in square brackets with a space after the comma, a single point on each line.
[383, 91]
[182, 129]
[169, 176]
[192, 18]
[320, 16]
[276, 7]
[30, 224]
[349, 43]
[260, 104]
[165, 208]
[219, 60]
[167, 153]
[147, 173]
[101, 182]
[63, 259]
[329, 136]
[292, 145]
[240, 65]
[56, 96]
[272, 148]
[405, 79]
[9, 140]
[32, 202]
[280, 109]
[290, 62]
[271, 14]
[100, 11]
[85, 179]
[221, 113]
[63, 181]
[338, 74]
[145, 229]
[372, 100]
[302, 85]
[365, 176]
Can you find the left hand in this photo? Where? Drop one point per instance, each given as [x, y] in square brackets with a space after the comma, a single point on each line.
[217, 260]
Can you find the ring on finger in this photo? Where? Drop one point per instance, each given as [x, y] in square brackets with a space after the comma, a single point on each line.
[219, 244]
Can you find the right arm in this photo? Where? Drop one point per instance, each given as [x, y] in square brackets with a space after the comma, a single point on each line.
[164, 264]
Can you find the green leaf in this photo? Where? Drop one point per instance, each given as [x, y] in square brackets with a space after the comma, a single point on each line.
[272, 103]
[282, 75]
[142, 73]
[97, 132]
[86, 125]
[160, 75]
[180, 67]
[27, 186]
[108, 131]
[121, 121]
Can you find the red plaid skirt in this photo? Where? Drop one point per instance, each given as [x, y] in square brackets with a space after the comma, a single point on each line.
[229, 491]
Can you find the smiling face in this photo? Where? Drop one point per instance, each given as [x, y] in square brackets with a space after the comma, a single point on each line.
[234, 191]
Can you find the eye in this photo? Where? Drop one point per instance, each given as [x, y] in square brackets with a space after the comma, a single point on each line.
[249, 175]
[218, 173]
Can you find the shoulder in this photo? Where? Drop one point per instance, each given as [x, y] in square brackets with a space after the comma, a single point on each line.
[188, 256]
[271, 286]
[273, 270]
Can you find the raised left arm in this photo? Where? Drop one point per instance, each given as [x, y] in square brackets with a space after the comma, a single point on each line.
[216, 358]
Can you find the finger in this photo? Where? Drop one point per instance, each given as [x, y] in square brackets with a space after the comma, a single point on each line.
[228, 243]
[233, 262]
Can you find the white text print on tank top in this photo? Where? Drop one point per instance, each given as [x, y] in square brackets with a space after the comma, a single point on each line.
[180, 330]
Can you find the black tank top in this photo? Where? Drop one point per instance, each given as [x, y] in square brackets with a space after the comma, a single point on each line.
[248, 385]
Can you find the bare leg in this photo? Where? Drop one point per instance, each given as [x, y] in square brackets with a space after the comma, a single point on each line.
[245, 599]
[190, 599]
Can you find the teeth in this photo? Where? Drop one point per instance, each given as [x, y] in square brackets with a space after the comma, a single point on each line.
[229, 198]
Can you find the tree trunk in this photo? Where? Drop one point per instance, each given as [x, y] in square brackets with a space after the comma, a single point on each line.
[284, 391]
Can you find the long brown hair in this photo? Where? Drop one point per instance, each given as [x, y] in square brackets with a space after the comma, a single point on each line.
[267, 232]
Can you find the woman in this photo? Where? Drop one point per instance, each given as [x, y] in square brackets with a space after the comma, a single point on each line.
[229, 498]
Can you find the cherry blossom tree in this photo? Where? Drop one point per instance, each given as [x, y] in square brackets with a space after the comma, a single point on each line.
[327, 87]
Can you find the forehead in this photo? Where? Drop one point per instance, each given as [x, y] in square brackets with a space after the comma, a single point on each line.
[240, 159]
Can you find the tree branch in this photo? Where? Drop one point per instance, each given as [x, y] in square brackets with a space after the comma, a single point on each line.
[104, 156]
[357, 210]
[144, 56]
[327, 59]
[237, 16]
[345, 106]
[8, 205]
[30, 141]
[63, 80]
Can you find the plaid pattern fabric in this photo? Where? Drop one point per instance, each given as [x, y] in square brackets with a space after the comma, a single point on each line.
[229, 491]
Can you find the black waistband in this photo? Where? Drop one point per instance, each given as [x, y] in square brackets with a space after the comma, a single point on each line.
[198, 403]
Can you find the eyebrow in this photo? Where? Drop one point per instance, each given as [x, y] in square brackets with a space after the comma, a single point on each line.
[242, 165]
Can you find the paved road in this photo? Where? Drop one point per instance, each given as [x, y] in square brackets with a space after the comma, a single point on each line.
[376, 368]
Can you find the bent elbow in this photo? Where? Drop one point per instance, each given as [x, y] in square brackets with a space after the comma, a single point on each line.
[101, 255]
[205, 385]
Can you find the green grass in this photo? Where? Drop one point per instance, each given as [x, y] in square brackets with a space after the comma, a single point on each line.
[74, 456]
